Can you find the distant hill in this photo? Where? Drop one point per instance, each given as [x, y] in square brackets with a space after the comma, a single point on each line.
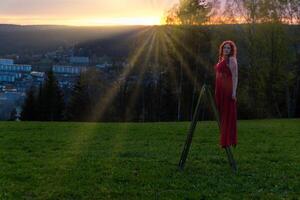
[110, 41]
[41, 38]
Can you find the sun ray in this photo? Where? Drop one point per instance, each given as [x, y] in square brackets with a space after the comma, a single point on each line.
[184, 47]
[102, 105]
[167, 57]
[184, 65]
[133, 97]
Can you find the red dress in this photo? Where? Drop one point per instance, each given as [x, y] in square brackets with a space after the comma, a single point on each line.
[225, 104]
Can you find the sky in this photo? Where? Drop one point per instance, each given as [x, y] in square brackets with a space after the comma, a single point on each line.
[84, 12]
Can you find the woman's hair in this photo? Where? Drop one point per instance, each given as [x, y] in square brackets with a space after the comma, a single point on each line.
[233, 49]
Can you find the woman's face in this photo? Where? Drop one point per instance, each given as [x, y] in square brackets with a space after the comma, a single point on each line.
[226, 49]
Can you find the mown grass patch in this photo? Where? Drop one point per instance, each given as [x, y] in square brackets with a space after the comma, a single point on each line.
[139, 161]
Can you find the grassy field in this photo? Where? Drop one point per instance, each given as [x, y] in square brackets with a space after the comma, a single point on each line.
[139, 161]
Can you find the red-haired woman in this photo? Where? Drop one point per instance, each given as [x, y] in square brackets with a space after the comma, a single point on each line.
[225, 92]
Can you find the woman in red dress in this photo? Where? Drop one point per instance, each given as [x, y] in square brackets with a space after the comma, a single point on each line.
[226, 71]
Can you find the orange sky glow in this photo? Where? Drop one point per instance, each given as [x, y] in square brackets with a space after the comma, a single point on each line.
[84, 12]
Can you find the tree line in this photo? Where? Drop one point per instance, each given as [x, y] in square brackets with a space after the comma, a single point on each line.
[166, 71]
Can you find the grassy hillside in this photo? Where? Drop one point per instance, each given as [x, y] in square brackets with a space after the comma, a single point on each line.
[139, 161]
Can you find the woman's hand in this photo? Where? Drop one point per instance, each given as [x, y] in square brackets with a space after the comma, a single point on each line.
[233, 97]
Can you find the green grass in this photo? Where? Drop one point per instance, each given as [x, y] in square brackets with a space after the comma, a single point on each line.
[139, 161]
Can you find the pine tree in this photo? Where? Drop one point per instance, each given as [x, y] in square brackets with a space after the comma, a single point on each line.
[50, 100]
[29, 108]
[78, 108]
[40, 105]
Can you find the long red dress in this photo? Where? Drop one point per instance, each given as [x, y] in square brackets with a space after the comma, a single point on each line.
[225, 104]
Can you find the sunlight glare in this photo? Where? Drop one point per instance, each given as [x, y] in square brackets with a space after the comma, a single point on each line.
[150, 20]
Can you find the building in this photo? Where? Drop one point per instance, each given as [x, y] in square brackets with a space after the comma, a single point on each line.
[36, 78]
[38, 75]
[104, 65]
[6, 61]
[79, 60]
[11, 73]
[15, 68]
[67, 75]
[65, 69]
[7, 78]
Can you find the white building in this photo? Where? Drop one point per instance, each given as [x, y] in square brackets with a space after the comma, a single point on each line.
[64, 69]
[15, 68]
[38, 74]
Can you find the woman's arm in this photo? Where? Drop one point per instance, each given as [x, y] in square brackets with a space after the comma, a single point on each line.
[234, 72]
